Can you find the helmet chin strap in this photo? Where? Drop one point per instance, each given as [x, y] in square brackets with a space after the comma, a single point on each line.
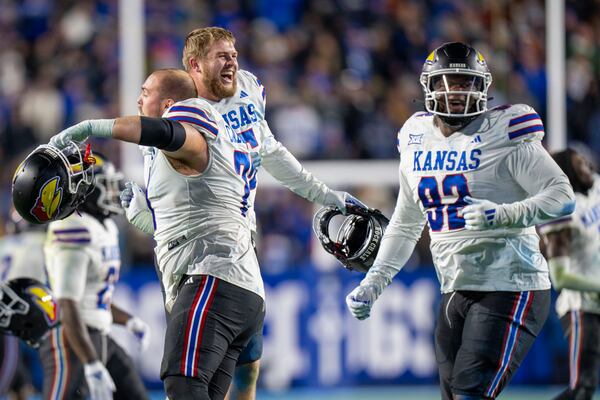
[456, 123]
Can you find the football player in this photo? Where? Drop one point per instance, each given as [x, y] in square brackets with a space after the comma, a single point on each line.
[481, 179]
[210, 57]
[573, 251]
[83, 260]
[199, 177]
[21, 256]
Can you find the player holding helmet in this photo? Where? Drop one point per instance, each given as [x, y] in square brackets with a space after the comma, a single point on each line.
[82, 260]
[210, 57]
[482, 180]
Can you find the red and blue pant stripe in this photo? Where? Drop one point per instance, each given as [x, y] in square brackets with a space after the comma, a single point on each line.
[518, 314]
[195, 325]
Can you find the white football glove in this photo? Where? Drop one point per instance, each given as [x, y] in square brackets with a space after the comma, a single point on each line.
[339, 199]
[361, 299]
[256, 159]
[133, 201]
[80, 132]
[482, 214]
[140, 330]
[99, 381]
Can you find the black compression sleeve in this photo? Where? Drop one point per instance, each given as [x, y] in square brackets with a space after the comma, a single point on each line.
[162, 133]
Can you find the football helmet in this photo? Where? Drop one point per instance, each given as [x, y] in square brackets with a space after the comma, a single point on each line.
[27, 309]
[455, 80]
[51, 183]
[358, 238]
[103, 199]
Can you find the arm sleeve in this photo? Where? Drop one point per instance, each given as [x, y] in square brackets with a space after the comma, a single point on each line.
[68, 277]
[283, 166]
[536, 172]
[399, 239]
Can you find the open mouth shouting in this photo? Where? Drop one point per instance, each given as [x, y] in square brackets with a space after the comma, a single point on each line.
[457, 105]
[227, 77]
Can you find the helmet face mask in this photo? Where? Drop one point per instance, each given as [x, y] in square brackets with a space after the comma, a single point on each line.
[455, 80]
[50, 183]
[103, 199]
[10, 304]
[27, 309]
[358, 238]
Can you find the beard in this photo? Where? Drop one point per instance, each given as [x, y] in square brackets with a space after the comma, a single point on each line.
[214, 86]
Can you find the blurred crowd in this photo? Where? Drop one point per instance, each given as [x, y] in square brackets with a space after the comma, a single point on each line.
[341, 75]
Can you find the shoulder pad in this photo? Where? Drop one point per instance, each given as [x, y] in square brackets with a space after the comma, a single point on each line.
[249, 78]
[413, 129]
[252, 85]
[71, 230]
[523, 123]
[197, 112]
[249, 82]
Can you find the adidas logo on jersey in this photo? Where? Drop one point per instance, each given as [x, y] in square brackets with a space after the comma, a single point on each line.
[476, 139]
[243, 94]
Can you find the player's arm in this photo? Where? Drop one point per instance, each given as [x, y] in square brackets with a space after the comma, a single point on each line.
[120, 316]
[397, 245]
[281, 164]
[134, 325]
[550, 193]
[68, 284]
[558, 250]
[178, 140]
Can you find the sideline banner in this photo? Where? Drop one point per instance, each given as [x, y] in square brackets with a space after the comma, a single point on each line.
[312, 341]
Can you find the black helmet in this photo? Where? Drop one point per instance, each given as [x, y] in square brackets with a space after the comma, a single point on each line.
[358, 237]
[51, 183]
[103, 199]
[455, 60]
[27, 309]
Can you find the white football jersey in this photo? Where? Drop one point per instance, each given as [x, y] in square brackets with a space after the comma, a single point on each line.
[201, 222]
[22, 256]
[585, 249]
[83, 262]
[244, 112]
[498, 157]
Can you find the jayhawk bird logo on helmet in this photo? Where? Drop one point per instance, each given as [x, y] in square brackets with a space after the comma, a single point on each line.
[358, 238]
[28, 309]
[48, 200]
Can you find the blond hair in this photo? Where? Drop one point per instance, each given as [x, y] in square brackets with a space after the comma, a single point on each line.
[199, 41]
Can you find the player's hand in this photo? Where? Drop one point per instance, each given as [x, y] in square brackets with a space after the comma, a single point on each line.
[481, 214]
[256, 159]
[140, 330]
[137, 212]
[341, 199]
[360, 301]
[80, 132]
[99, 381]
[133, 198]
[76, 133]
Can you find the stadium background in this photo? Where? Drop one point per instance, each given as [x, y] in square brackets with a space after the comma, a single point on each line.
[341, 78]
